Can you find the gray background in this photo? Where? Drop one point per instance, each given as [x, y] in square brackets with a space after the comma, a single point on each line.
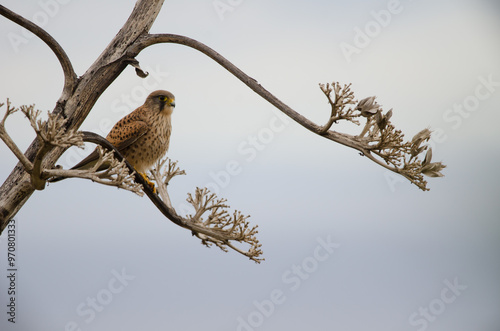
[399, 246]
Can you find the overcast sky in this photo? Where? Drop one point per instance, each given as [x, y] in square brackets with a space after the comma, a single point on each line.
[348, 246]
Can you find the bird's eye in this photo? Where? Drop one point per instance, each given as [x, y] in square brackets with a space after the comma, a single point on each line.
[162, 98]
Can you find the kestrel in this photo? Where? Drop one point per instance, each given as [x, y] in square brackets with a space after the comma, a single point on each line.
[142, 136]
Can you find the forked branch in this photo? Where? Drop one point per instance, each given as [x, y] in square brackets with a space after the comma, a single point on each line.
[383, 143]
[211, 222]
[341, 99]
[28, 166]
[51, 133]
[217, 228]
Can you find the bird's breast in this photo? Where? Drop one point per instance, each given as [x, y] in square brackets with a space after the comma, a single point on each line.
[152, 146]
[160, 137]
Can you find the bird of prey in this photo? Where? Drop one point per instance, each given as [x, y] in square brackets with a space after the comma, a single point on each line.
[142, 136]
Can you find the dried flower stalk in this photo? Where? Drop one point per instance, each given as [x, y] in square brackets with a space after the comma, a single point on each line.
[379, 138]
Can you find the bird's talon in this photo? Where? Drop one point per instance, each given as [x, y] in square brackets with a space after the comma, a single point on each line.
[150, 183]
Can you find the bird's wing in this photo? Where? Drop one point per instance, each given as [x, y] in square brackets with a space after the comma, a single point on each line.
[128, 134]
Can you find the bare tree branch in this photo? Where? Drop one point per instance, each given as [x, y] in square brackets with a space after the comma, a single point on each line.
[162, 178]
[218, 228]
[76, 105]
[8, 140]
[378, 140]
[70, 78]
[51, 133]
[343, 97]
[383, 153]
[117, 174]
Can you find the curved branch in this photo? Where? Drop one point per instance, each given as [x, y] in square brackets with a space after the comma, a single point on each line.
[168, 212]
[70, 78]
[152, 39]
[341, 138]
[344, 98]
[78, 97]
[198, 229]
[9, 142]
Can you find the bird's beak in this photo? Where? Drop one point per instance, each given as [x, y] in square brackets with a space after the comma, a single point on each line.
[172, 103]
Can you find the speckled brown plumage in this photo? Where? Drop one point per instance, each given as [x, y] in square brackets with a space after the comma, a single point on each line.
[143, 135]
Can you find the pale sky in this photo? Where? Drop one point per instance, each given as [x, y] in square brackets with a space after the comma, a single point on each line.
[347, 245]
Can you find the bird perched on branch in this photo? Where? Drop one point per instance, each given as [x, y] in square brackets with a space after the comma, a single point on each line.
[142, 136]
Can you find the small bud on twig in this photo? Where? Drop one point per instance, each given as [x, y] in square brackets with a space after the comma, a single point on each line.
[368, 107]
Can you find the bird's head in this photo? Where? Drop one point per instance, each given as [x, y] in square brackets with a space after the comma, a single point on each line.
[162, 101]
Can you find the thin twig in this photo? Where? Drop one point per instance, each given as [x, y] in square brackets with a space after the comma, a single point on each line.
[28, 166]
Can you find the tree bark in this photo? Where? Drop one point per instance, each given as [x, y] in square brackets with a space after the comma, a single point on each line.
[76, 102]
